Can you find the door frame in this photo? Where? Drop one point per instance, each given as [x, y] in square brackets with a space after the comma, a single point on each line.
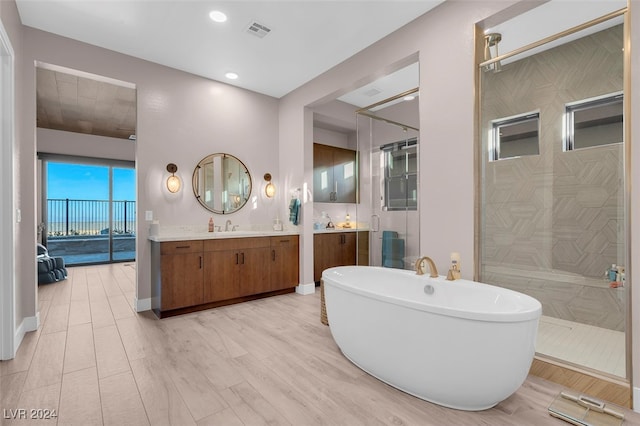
[7, 243]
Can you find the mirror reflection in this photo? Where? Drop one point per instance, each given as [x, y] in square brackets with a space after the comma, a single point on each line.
[221, 183]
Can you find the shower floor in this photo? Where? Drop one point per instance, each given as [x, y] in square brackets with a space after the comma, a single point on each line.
[585, 345]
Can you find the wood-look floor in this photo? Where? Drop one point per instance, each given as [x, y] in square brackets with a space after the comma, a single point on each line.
[270, 361]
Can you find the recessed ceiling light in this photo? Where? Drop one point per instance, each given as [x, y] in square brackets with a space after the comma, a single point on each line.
[231, 75]
[217, 16]
[409, 98]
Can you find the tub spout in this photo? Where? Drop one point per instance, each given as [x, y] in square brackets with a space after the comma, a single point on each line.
[432, 267]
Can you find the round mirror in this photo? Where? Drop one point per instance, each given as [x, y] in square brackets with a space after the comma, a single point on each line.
[221, 183]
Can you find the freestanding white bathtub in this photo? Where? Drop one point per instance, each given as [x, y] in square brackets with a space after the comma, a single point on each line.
[460, 344]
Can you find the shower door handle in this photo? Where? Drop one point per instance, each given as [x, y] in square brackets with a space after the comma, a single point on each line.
[375, 223]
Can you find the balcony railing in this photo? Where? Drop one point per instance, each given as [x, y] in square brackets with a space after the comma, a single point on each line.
[67, 217]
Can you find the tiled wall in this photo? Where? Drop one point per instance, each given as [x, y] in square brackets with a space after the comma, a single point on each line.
[554, 222]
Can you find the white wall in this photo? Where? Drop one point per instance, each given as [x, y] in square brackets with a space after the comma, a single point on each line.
[24, 250]
[181, 119]
[446, 116]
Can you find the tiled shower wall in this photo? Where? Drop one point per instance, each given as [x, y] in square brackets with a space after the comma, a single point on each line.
[554, 222]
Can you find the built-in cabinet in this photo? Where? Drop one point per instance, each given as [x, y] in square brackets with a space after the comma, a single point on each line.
[199, 274]
[236, 267]
[339, 249]
[334, 174]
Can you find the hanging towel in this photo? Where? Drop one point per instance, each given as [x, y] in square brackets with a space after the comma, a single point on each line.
[294, 211]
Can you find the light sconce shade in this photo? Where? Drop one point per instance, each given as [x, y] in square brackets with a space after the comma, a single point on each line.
[173, 181]
[270, 189]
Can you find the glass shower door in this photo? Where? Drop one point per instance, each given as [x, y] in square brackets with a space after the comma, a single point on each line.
[553, 185]
[388, 158]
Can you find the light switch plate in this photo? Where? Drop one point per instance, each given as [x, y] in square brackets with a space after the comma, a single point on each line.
[148, 215]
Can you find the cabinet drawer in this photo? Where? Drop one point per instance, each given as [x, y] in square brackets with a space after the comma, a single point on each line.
[177, 247]
[236, 243]
[285, 240]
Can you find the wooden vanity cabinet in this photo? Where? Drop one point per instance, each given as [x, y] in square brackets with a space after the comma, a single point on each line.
[339, 249]
[236, 267]
[181, 268]
[200, 274]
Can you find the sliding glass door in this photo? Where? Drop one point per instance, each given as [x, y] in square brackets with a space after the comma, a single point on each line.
[88, 209]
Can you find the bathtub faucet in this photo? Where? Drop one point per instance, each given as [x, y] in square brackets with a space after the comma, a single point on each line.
[432, 267]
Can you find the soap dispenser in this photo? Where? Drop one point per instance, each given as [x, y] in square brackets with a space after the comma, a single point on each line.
[211, 224]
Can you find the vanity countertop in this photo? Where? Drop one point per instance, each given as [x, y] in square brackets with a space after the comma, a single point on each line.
[186, 236]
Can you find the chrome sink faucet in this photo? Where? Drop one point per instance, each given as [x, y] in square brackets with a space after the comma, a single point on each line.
[226, 226]
[432, 267]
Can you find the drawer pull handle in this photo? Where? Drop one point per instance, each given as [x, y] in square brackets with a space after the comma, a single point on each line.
[183, 247]
[237, 262]
[273, 255]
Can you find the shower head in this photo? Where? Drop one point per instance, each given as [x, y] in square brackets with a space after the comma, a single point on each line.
[492, 40]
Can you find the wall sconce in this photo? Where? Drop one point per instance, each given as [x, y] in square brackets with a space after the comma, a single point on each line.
[173, 181]
[270, 189]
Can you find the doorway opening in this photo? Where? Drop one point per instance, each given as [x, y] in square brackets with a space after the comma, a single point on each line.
[88, 209]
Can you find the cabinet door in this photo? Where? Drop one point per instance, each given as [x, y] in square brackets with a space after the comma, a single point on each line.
[347, 249]
[323, 185]
[344, 175]
[326, 253]
[284, 262]
[221, 275]
[254, 271]
[321, 254]
[182, 276]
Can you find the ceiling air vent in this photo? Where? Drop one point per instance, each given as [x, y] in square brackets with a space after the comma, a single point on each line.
[258, 29]
[372, 92]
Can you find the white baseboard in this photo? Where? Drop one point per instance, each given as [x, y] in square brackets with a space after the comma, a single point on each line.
[28, 324]
[306, 289]
[142, 304]
[32, 323]
[636, 400]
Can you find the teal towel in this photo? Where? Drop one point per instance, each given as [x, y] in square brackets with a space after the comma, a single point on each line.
[294, 211]
[392, 250]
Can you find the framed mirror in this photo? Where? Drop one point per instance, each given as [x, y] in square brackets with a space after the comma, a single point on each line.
[221, 183]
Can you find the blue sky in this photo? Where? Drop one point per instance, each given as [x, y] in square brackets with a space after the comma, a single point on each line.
[89, 182]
